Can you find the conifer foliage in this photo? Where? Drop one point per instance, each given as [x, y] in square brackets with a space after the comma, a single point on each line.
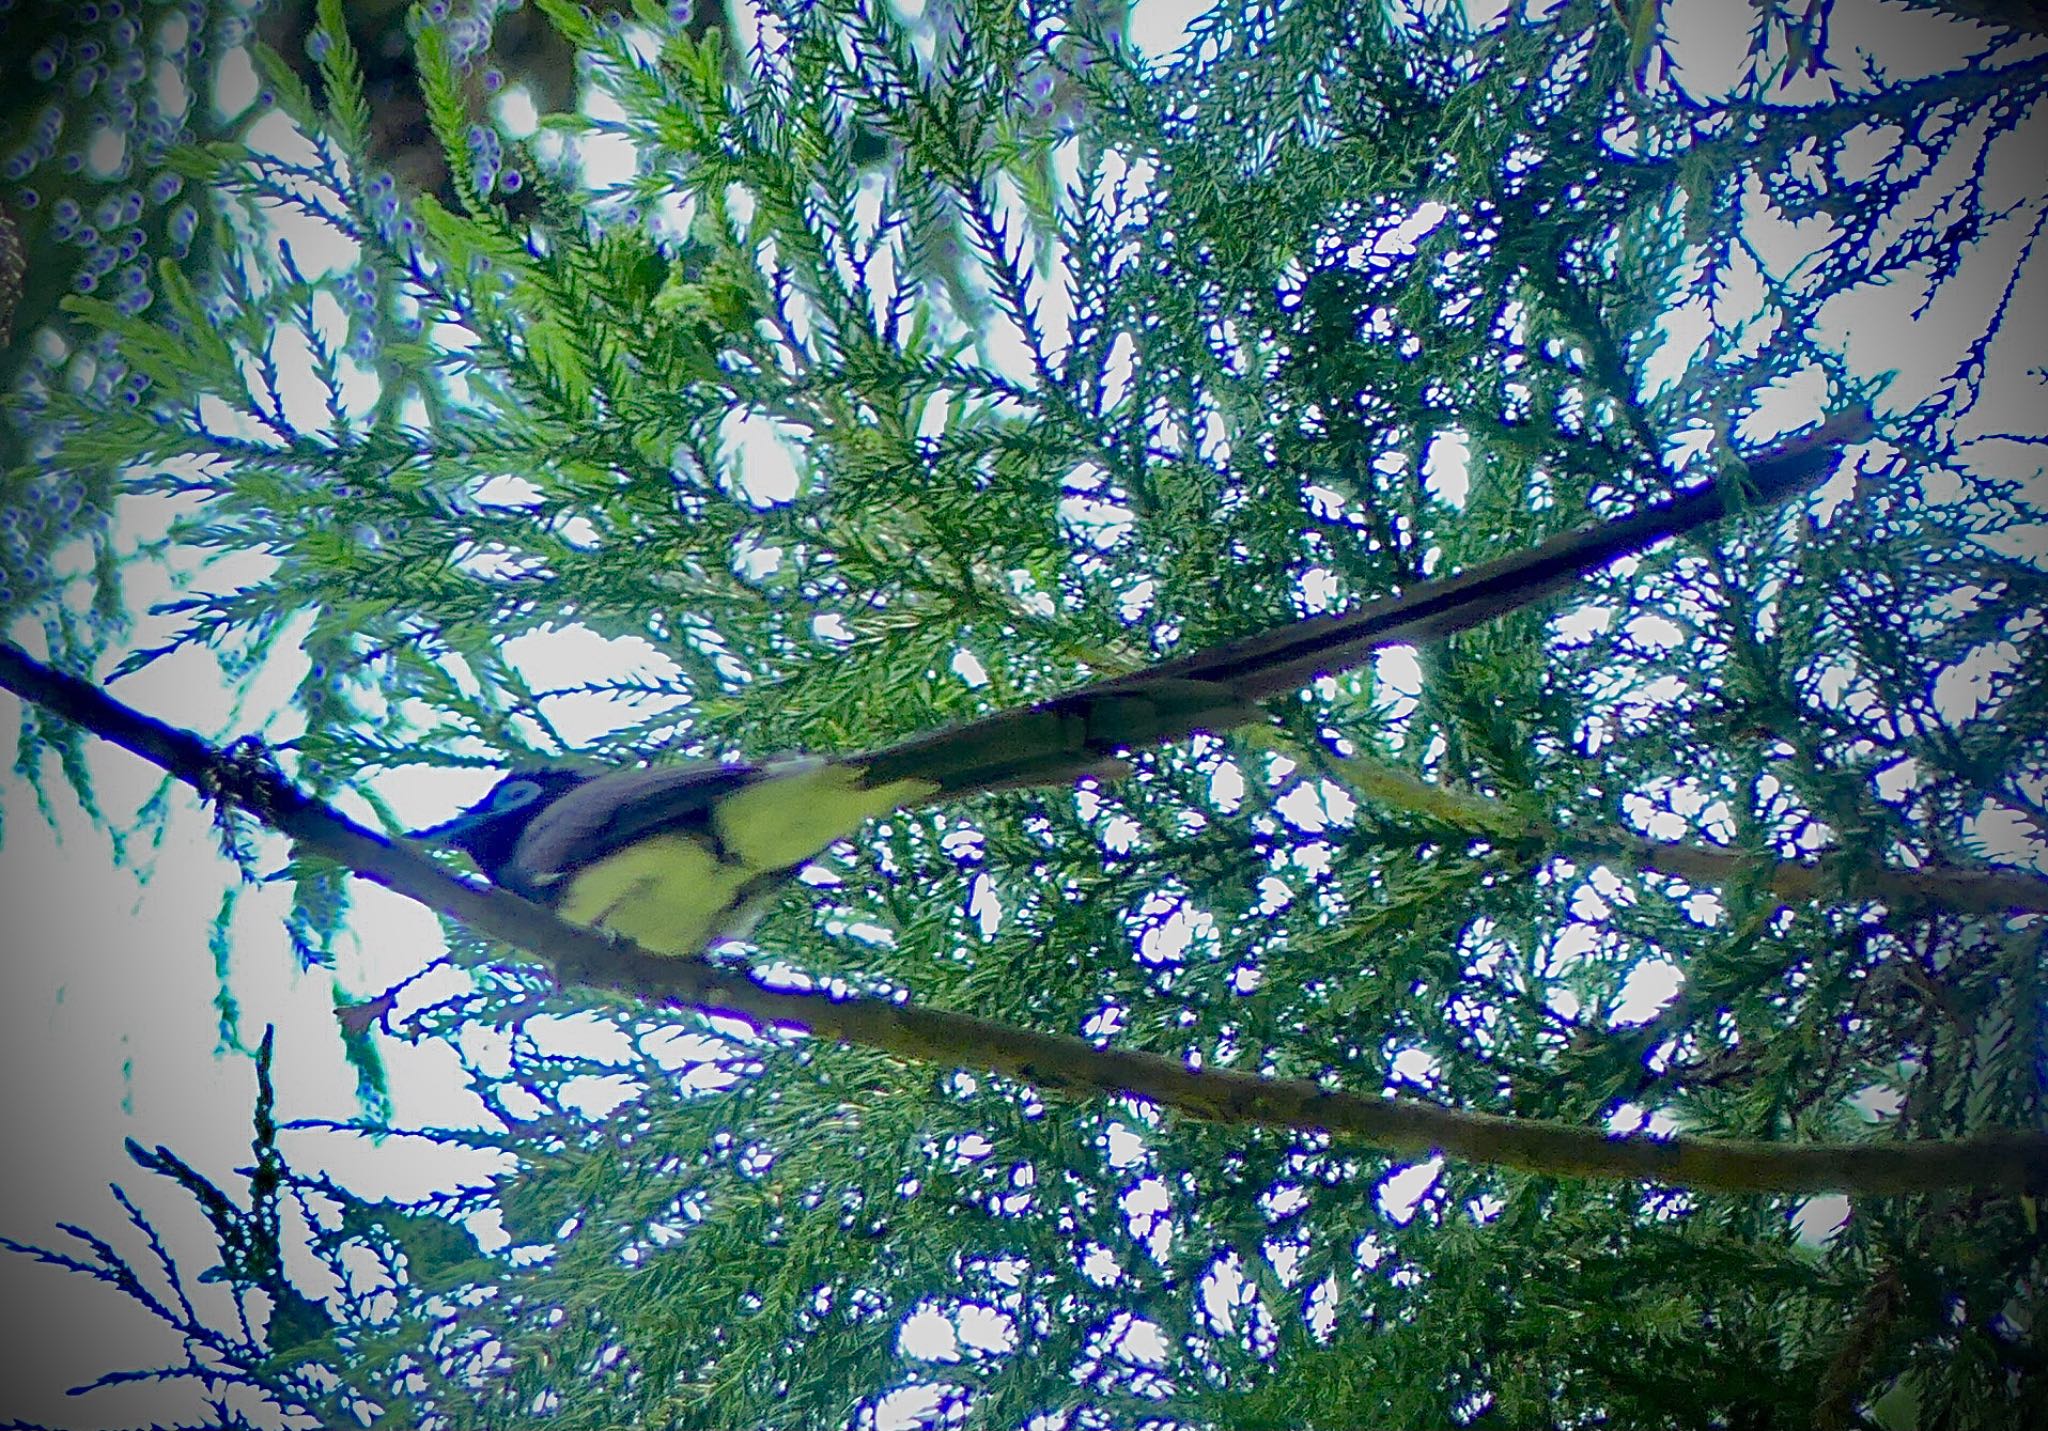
[919, 362]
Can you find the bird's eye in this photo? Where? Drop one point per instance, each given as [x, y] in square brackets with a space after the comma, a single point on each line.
[515, 793]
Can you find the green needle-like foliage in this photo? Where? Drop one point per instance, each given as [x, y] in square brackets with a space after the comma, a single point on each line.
[910, 369]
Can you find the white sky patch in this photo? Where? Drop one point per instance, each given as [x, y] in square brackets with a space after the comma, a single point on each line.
[488, 1049]
[1819, 1219]
[678, 1047]
[927, 1334]
[1404, 240]
[1583, 623]
[304, 403]
[1312, 857]
[1650, 985]
[1213, 442]
[1964, 690]
[1324, 1301]
[1314, 806]
[1415, 1066]
[1399, 670]
[1120, 835]
[2004, 834]
[1681, 332]
[1156, 28]
[1587, 905]
[358, 388]
[908, 1406]
[490, 564]
[586, 1035]
[1573, 942]
[1050, 289]
[1226, 787]
[1486, 951]
[881, 276]
[1142, 1343]
[1784, 407]
[967, 666]
[985, 1329]
[936, 413]
[1285, 1259]
[1704, 907]
[756, 562]
[1397, 681]
[1099, 1265]
[985, 906]
[1167, 940]
[1301, 808]
[1323, 502]
[516, 111]
[1274, 895]
[577, 654]
[607, 158]
[597, 1095]
[1632, 1119]
[1655, 633]
[1101, 524]
[1881, 1101]
[964, 846]
[1222, 1288]
[1651, 818]
[1144, 1206]
[1319, 589]
[1447, 468]
[1105, 1023]
[1117, 370]
[1399, 1193]
[454, 337]
[1895, 780]
[1738, 303]
[234, 83]
[765, 467]
[233, 422]
[1122, 1147]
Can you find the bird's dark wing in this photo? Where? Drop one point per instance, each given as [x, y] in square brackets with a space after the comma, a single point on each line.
[1061, 740]
[602, 816]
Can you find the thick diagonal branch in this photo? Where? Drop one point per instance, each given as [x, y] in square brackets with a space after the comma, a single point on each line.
[1407, 1127]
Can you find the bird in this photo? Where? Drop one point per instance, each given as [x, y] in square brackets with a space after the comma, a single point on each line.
[678, 858]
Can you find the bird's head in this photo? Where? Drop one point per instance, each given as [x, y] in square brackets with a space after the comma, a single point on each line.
[489, 830]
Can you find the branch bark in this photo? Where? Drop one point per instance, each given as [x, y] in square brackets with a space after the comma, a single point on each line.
[2028, 16]
[1980, 891]
[1972, 889]
[232, 778]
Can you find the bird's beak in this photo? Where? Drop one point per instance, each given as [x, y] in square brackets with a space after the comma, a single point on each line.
[445, 832]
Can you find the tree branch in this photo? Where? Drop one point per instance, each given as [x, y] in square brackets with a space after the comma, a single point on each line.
[1970, 888]
[1407, 1127]
[1982, 891]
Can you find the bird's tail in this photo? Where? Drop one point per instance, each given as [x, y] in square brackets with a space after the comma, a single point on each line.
[1085, 731]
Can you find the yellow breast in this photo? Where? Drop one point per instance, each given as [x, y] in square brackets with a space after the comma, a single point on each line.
[674, 894]
[668, 893]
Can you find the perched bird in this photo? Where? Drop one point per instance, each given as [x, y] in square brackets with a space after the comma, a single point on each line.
[678, 857]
